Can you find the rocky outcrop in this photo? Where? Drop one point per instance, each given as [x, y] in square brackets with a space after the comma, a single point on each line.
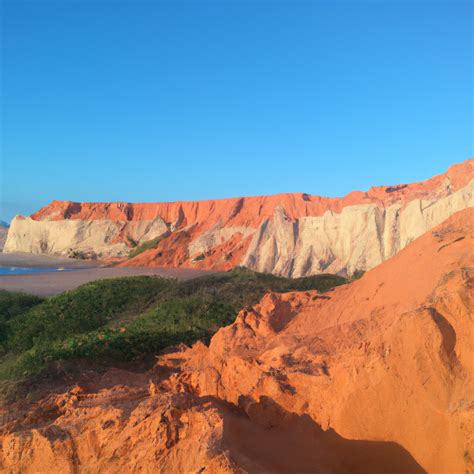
[374, 376]
[358, 238]
[287, 234]
[73, 237]
[3, 235]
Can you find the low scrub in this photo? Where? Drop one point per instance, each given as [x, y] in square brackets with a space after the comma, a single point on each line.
[140, 248]
[11, 305]
[128, 319]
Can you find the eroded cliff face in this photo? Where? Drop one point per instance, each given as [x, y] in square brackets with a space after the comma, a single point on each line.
[92, 238]
[358, 238]
[3, 236]
[287, 234]
[374, 376]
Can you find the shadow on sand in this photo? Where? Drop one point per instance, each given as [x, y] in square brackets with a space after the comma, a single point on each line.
[265, 437]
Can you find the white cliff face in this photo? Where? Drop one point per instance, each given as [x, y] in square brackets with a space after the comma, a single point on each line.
[214, 237]
[273, 246]
[3, 236]
[98, 238]
[359, 238]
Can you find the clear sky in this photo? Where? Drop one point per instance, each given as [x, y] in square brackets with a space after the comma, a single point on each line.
[184, 100]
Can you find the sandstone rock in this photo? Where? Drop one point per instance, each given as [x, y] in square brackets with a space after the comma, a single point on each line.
[286, 234]
[103, 237]
[3, 236]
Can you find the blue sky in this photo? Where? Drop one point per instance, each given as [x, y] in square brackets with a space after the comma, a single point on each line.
[164, 101]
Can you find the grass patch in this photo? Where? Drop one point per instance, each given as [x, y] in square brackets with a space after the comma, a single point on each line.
[149, 244]
[86, 309]
[128, 319]
[357, 275]
[11, 305]
[133, 243]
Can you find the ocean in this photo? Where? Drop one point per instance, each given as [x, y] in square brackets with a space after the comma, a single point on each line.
[4, 270]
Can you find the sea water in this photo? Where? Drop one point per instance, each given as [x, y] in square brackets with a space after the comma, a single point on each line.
[9, 270]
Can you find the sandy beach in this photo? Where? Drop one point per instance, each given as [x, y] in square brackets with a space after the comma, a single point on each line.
[20, 259]
[79, 272]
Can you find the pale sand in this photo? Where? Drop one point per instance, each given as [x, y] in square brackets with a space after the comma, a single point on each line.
[21, 259]
[52, 283]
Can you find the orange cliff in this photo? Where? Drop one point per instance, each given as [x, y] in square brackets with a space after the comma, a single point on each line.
[251, 211]
[288, 234]
[374, 376]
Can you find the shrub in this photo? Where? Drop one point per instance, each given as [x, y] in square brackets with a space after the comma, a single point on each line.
[88, 308]
[149, 244]
[131, 318]
[11, 305]
[133, 243]
[357, 275]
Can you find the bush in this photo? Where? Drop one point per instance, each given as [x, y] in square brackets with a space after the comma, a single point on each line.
[357, 275]
[88, 308]
[131, 318]
[149, 244]
[11, 305]
[133, 243]
[82, 254]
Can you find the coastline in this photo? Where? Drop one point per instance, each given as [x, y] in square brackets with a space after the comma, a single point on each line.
[22, 259]
[83, 271]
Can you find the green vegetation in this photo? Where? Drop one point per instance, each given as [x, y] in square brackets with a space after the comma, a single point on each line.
[86, 309]
[133, 243]
[82, 255]
[11, 305]
[127, 319]
[357, 275]
[149, 244]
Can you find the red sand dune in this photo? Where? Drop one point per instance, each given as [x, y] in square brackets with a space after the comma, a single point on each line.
[375, 376]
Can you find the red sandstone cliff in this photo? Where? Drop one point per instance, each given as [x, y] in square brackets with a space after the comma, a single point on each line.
[288, 234]
[251, 211]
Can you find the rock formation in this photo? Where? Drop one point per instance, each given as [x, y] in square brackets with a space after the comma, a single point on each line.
[374, 376]
[3, 235]
[287, 234]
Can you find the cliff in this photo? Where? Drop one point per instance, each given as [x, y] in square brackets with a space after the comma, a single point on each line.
[3, 236]
[287, 234]
[374, 376]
